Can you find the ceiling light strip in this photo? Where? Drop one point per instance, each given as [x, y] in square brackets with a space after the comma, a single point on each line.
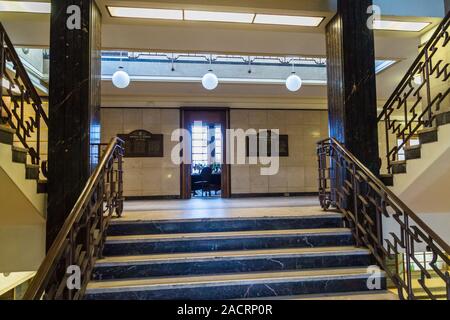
[25, 7]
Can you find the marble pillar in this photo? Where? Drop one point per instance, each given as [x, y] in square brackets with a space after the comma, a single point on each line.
[74, 104]
[351, 81]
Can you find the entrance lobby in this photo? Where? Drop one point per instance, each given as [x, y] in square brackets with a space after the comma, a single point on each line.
[224, 150]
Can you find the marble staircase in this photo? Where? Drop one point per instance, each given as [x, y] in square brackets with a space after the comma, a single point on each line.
[293, 257]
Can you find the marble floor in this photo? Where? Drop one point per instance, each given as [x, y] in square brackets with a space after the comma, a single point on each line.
[220, 208]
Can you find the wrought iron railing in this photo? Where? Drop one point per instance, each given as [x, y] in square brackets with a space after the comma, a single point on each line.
[369, 206]
[415, 102]
[20, 106]
[80, 240]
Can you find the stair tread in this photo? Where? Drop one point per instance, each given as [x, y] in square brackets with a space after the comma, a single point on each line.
[215, 255]
[287, 217]
[220, 235]
[159, 283]
[7, 129]
[365, 295]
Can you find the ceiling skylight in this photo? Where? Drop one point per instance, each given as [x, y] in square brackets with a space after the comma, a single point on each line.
[145, 13]
[24, 6]
[399, 25]
[218, 16]
[288, 20]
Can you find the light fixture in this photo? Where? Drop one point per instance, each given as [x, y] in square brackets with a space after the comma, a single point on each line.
[418, 79]
[302, 21]
[120, 78]
[293, 82]
[399, 25]
[145, 13]
[218, 16]
[25, 6]
[210, 80]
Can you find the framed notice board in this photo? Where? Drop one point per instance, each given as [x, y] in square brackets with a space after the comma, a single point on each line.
[143, 144]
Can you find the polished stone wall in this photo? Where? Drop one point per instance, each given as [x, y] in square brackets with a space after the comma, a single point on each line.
[298, 172]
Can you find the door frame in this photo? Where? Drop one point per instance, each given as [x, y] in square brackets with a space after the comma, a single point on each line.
[213, 114]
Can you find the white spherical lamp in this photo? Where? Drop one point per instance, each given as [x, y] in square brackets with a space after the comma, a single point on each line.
[210, 81]
[121, 79]
[293, 82]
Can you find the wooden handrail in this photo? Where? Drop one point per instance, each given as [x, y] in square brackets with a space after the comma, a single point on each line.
[48, 266]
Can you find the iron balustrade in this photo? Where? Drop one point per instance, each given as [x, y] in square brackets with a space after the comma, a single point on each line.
[414, 106]
[23, 112]
[367, 204]
[81, 239]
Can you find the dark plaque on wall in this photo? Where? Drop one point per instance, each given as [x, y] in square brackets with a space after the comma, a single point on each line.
[283, 145]
[143, 144]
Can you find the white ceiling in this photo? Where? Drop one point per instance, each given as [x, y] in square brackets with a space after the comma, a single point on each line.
[181, 36]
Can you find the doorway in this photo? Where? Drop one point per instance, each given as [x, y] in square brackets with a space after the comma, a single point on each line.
[207, 175]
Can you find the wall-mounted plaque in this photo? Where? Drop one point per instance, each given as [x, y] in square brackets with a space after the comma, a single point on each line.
[143, 144]
[283, 144]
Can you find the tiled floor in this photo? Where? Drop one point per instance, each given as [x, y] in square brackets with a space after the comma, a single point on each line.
[220, 208]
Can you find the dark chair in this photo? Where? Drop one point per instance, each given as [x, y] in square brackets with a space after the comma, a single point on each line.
[204, 183]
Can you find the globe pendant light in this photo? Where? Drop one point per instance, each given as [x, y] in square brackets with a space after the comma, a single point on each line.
[210, 80]
[120, 78]
[293, 82]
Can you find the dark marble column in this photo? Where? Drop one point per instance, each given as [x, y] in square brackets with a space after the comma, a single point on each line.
[351, 81]
[74, 104]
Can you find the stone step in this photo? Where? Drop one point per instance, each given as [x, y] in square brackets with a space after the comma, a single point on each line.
[226, 241]
[364, 295]
[413, 152]
[236, 286]
[325, 220]
[32, 171]
[398, 166]
[6, 135]
[19, 155]
[428, 135]
[229, 261]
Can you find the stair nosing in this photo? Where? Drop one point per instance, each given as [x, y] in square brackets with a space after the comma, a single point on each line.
[177, 282]
[228, 255]
[185, 220]
[224, 235]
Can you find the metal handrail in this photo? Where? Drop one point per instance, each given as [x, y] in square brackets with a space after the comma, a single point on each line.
[347, 184]
[15, 112]
[439, 30]
[57, 250]
[417, 102]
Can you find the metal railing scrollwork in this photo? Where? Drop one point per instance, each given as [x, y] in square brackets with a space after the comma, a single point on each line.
[80, 240]
[369, 207]
[420, 95]
[20, 106]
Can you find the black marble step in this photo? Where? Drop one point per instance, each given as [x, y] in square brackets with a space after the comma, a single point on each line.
[398, 167]
[32, 171]
[224, 241]
[387, 179]
[413, 152]
[443, 118]
[6, 135]
[42, 186]
[428, 135]
[332, 220]
[237, 286]
[228, 262]
[19, 155]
